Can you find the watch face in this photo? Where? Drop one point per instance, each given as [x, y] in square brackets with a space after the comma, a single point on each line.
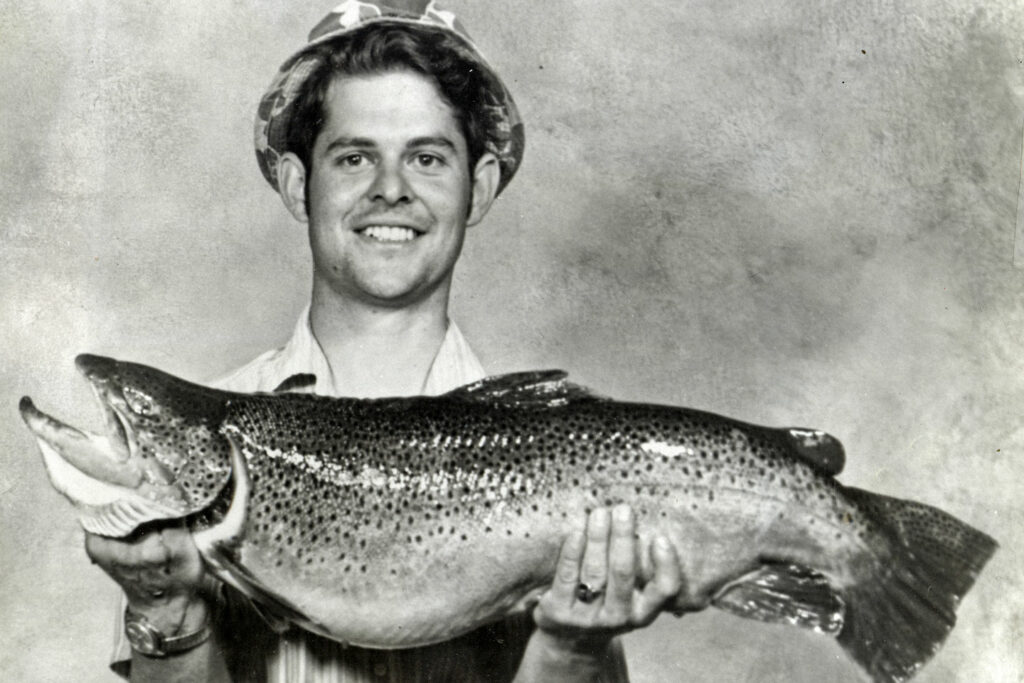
[142, 637]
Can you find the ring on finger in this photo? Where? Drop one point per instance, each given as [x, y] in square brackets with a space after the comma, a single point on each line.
[587, 594]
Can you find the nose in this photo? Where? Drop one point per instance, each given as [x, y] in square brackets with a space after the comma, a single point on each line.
[390, 185]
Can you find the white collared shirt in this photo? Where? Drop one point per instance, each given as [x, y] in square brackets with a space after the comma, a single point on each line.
[454, 364]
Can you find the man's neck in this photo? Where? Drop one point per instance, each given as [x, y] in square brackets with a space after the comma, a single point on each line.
[376, 351]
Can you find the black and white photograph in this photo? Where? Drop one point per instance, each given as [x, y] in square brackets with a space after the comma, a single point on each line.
[578, 340]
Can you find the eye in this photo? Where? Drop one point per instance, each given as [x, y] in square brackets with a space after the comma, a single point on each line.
[139, 403]
[353, 160]
[429, 161]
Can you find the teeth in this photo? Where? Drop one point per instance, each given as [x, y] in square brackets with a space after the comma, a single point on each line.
[389, 233]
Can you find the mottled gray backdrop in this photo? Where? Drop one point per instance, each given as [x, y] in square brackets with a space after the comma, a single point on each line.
[792, 212]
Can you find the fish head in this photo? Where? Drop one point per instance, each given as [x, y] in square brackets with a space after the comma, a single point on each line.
[161, 457]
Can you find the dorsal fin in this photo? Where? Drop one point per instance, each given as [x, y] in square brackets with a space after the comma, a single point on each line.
[820, 450]
[296, 383]
[538, 388]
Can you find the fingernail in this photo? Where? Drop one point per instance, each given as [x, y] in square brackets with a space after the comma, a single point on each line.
[662, 543]
[622, 513]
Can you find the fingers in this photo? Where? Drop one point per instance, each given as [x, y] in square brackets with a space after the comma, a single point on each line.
[621, 562]
[153, 566]
[593, 571]
[604, 559]
[567, 570]
[664, 585]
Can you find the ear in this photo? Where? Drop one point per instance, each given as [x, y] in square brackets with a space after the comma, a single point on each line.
[485, 186]
[291, 182]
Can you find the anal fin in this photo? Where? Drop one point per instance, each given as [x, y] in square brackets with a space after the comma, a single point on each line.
[784, 594]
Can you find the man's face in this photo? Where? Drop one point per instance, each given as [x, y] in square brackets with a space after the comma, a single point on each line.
[389, 190]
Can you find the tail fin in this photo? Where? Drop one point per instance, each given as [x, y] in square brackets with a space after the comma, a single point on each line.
[896, 622]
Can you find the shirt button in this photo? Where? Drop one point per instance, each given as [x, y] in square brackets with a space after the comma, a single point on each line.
[380, 669]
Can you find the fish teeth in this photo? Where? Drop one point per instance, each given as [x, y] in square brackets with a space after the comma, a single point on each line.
[390, 233]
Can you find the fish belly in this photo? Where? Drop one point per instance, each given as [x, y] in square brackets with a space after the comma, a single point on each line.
[418, 576]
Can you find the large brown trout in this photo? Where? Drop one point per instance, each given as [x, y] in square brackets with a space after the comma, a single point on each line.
[401, 522]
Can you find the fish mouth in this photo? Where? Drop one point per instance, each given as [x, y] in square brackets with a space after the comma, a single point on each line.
[104, 475]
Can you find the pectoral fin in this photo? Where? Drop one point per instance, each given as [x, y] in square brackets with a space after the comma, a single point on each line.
[218, 546]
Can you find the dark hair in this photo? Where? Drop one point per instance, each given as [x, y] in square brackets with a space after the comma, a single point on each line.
[380, 48]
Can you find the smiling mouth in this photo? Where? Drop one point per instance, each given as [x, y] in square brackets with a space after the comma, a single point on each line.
[389, 233]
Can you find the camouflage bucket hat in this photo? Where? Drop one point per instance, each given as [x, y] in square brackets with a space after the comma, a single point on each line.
[277, 106]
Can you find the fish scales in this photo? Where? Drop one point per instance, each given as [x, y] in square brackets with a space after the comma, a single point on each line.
[401, 522]
[410, 487]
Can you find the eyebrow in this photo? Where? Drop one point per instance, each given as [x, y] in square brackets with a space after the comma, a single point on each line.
[367, 143]
[431, 141]
[350, 142]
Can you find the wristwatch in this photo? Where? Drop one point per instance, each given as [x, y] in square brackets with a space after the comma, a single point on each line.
[148, 640]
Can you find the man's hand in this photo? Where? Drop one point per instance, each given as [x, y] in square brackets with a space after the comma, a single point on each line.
[161, 573]
[595, 594]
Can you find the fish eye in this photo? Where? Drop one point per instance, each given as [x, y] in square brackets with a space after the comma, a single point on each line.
[138, 402]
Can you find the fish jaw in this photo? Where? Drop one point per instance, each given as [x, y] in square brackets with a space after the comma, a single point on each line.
[112, 493]
[160, 457]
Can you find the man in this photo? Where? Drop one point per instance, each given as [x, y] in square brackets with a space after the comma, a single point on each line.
[387, 136]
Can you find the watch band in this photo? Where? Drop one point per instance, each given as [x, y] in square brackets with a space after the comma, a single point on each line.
[150, 641]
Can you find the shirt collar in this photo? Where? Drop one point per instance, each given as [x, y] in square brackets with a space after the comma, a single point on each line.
[454, 364]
